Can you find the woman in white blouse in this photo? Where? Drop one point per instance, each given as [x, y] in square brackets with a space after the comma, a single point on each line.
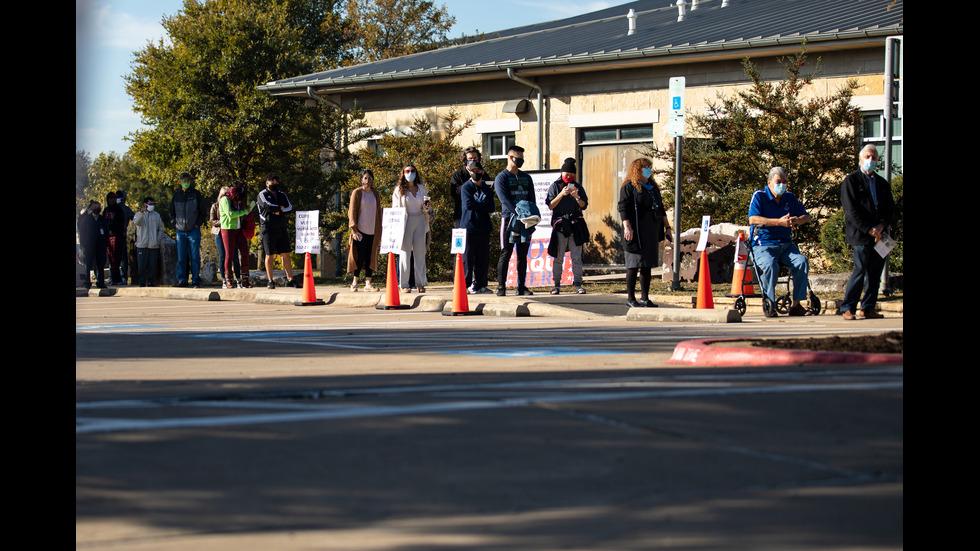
[411, 194]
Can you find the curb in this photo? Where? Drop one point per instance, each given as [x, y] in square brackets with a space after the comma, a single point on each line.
[683, 315]
[706, 353]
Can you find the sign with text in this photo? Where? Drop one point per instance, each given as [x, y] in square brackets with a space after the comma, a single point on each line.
[675, 120]
[308, 231]
[539, 263]
[393, 229]
[459, 241]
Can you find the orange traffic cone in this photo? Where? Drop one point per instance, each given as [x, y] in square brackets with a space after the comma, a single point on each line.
[392, 300]
[705, 300]
[461, 304]
[741, 287]
[309, 293]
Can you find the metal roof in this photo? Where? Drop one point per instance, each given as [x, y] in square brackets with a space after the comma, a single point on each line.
[601, 36]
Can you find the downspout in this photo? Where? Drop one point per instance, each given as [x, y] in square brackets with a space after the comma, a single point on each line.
[511, 75]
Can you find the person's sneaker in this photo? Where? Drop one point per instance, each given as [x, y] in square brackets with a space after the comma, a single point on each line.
[272, 284]
[182, 284]
[524, 291]
[580, 290]
[483, 291]
[555, 291]
[797, 310]
[501, 292]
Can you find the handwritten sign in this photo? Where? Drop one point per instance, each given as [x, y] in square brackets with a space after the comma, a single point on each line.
[393, 229]
[308, 231]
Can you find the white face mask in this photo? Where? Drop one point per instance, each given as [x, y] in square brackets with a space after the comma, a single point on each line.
[149, 208]
[118, 200]
[410, 176]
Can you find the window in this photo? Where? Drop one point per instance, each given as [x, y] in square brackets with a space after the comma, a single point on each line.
[496, 145]
[625, 133]
[873, 131]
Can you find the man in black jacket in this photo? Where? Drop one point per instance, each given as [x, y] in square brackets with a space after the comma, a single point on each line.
[868, 205]
[93, 238]
[188, 211]
[274, 208]
[469, 156]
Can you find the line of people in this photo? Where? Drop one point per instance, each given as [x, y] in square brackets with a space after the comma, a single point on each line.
[103, 235]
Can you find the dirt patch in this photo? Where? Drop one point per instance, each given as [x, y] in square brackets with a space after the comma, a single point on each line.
[885, 343]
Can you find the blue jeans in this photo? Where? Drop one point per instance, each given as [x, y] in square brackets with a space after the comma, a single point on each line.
[189, 250]
[769, 257]
[865, 278]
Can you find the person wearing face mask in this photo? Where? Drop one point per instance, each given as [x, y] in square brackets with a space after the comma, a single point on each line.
[775, 211]
[411, 194]
[93, 238]
[149, 235]
[476, 201]
[512, 185]
[188, 211]
[459, 178]
[274, 207]
[644, 219]
[868, 206]
[567, 199]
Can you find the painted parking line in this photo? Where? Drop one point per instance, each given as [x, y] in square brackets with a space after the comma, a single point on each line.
[532, 352]
[91, 425]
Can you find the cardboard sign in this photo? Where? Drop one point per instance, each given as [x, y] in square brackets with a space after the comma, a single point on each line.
[308, 231]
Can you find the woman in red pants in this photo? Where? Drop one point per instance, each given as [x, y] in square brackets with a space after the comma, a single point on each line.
[232, 208]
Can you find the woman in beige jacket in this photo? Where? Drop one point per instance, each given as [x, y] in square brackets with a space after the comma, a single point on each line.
[364, 219]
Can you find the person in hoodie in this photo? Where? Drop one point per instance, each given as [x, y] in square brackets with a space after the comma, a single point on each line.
[93, 239]
[149, 236]
[188, 210]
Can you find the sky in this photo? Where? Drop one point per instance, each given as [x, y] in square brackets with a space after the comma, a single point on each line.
[107, 32]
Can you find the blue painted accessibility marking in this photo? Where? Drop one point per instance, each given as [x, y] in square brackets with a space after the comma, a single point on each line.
[533, 352]
[255, 334]
[98, 327]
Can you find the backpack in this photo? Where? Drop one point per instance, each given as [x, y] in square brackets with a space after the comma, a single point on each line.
[248, 226]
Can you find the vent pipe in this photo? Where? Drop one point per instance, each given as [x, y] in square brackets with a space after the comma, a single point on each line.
[631, 16]
[681, 10]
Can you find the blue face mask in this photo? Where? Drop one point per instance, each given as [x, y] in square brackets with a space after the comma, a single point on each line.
[780, 189]
[868, 165]
[647, 172]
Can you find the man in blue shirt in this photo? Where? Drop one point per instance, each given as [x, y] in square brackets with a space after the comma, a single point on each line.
[774, 211]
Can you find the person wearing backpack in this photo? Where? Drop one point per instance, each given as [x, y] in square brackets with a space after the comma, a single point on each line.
[232, 210]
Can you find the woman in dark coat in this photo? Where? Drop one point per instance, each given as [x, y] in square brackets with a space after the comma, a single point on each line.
[644, 226]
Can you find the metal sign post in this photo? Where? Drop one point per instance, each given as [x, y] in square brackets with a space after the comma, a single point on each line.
[675, 128]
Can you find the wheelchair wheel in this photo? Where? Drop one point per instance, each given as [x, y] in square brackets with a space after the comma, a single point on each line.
[768, 307]
[740, 305]
[783, 304]
[814, 304]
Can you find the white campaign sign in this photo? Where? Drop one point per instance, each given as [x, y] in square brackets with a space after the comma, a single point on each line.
[308, 231]
[393, 229]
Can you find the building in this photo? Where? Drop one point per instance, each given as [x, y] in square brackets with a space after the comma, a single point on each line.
[595, 86]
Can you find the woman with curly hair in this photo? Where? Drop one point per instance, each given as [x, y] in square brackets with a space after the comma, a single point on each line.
[644, 226]
[411, 194]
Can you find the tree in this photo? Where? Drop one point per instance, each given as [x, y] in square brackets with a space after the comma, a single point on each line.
[197, 91]
[380, 29]
[745, 135]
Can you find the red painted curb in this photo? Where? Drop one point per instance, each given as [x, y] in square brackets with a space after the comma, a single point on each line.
[703, 352]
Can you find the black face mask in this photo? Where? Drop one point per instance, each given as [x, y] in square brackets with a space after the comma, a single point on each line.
[97, 210]
[518, 162]
[476, 177]
[274, 187]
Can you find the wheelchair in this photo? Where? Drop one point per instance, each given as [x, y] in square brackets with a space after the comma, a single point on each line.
[782, 303]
